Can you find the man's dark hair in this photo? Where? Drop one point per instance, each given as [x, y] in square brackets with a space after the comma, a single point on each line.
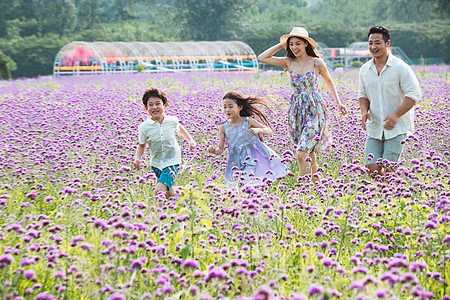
[380, 29]
[153, 92]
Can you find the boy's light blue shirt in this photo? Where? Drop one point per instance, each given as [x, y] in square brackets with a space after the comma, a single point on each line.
[164, 148]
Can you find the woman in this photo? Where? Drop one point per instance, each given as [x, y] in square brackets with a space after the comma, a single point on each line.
[307, 110]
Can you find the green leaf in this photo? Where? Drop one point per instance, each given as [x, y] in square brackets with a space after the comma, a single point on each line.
[186, 250]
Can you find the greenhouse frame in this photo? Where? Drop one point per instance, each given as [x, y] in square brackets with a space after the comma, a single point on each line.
[80, 57]
[357, 51]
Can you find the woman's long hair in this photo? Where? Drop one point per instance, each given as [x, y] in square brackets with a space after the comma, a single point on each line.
[309, 50]
[249, 106]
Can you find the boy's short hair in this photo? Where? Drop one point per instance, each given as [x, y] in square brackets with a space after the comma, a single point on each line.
[154, 92]
[380, 29]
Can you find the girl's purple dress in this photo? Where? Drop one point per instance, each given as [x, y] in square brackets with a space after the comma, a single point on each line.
[308, 114]
[247, 153]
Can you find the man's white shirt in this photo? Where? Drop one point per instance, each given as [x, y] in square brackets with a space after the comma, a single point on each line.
[386, 92]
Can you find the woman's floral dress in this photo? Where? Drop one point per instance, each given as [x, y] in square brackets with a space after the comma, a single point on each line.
[308, 114]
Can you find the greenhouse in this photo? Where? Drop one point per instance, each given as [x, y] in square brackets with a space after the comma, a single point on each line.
[151, 57]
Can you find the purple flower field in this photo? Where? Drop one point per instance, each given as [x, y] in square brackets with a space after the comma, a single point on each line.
[78, 222]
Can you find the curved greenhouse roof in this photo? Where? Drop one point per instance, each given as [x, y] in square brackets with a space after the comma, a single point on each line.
[130, 57]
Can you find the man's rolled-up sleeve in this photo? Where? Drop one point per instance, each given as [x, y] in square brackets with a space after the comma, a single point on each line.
[362, 93]
[410, 85]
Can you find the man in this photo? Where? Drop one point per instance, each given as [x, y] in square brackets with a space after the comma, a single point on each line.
[388, 90]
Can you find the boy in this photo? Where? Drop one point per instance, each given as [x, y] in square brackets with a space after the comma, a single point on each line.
[158, 131]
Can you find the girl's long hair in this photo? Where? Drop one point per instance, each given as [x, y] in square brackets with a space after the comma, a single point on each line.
[249, 106]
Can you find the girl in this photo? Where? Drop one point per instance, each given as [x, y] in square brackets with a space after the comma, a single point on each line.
[307, 111]
[247, 153]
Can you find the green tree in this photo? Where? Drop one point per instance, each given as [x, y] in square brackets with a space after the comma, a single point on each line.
[39, 17]
[55, 16]
[122, 10]
[210, 20]
[348, 13]
[5, 73]
[17, 9]
[442, 8]
[404, 11]
[91, 12]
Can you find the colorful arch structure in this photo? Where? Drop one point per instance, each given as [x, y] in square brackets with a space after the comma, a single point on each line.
[80, 57]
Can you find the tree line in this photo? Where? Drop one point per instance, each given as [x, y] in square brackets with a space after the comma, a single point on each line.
[33, 31]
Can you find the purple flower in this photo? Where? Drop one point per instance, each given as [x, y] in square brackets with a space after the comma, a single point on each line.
[239, 262]
[264, 293]
[381, 293]
[328, 210]
[59, 274]
[197, 274]
[310, 269]
[44, 296]
[216, 273]
[190, 263]
[315, 289]
[397, 262]
[101, 223]
[320, 232]
[6, 259]
[358, 285]
[167, 288]
[77, 239]
[236, 226]
[328, 262]
[116, 296]
[242, 271]
[87, 246]
[194, 290]
[335, 293]
[446, 240]
[360, 270]
[162, 279]
[430, 224]
[138, 263]
[107, 289]
[29, 274]
[391, 278]
[27, 262]
[49, 198]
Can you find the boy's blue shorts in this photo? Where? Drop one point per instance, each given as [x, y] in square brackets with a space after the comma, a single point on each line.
[167, 175]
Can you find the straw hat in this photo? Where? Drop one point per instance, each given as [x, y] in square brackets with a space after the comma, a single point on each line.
[297, 32]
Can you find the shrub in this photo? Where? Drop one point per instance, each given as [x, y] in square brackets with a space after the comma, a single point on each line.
[338, 66]
[140, 68]
[356, 64]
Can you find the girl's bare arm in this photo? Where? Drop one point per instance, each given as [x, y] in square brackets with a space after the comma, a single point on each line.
[219, 150]
[255, 128]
